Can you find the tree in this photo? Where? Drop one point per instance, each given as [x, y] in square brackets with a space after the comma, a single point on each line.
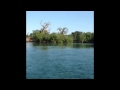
[44, 27]
[63, 30]
[43, 35]
[76, 36]
[27, 35]
[82, 37]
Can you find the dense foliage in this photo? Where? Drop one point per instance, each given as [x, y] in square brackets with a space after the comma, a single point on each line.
[44, 36]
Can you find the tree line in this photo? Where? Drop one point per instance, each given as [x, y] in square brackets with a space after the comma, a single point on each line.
[44, 36]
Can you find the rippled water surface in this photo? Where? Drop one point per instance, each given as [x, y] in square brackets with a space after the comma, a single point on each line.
[72, 61]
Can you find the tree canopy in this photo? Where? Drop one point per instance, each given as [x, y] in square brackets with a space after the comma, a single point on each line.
[43, 35]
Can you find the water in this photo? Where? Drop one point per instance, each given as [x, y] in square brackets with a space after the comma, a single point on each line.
[72, 61]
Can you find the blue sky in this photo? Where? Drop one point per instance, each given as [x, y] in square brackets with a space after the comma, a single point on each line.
[73, 20]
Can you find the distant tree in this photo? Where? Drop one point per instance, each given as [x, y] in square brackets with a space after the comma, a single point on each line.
[44, 27]
[82, 37]
[63, 30]
[44, 36]
[27, 35]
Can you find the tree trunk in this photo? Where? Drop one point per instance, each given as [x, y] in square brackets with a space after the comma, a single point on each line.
[40, 41]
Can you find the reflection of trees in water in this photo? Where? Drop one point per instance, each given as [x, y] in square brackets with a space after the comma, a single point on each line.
[44, 47]
[75, 45]
[36, 44]
[72, 45]
[82, 45]
[60, 45]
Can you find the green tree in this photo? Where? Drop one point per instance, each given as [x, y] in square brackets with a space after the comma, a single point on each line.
[43, 35]
[82, 37]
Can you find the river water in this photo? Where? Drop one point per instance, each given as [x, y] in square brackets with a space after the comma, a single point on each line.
[72, 61]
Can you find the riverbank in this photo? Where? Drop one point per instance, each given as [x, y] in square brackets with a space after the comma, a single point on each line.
[28, 39]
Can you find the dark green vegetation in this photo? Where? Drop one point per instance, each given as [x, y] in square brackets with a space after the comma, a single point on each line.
[44, 36]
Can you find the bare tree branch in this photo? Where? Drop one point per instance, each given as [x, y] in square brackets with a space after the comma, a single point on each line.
[45, 26]
[63, 30]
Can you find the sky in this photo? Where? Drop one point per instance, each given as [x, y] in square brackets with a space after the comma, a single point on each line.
[73, 20]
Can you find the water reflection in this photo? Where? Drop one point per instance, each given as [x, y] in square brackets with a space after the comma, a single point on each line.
[44, 47]
[83, 45]
[62, 46]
